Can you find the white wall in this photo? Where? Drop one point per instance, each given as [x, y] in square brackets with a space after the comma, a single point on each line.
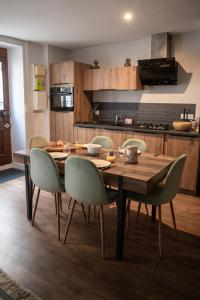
[16, 95]
[186, 48]
[56, 54]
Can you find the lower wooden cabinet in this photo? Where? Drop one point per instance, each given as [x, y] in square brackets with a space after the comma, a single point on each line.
[85, 135]
[61, 126]
[175, 146]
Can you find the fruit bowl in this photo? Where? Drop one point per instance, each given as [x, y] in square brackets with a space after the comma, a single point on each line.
[183, 126]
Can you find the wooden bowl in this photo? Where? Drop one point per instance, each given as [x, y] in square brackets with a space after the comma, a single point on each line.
[179, 125]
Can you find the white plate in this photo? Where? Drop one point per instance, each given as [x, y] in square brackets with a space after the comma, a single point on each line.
[58, 155]
[122, 151]
[100, 163]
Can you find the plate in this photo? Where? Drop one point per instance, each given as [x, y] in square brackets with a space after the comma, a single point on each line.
[100, 163]
[122, 151]
[58, 155]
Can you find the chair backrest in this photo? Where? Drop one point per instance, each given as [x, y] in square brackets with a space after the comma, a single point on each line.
[173, 178]
[142, 146]
[104, 141]
[37, 141]
[83, 181]
[44, 171]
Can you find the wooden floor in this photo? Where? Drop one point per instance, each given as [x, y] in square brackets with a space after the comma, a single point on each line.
[34, 258]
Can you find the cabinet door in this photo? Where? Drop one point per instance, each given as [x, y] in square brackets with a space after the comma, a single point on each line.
[118, 137]
[85, 135]
[55, 74]
[176, 146]
[61, 126]
[97, 79]
[87, 83]
[67, 72]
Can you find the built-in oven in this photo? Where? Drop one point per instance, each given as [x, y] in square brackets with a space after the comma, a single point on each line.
[62, 97]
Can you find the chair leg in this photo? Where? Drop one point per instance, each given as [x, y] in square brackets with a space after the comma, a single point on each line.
[128, 214]
[61, 207]
[173, 217]
[89, 214]
[160, 230]
[83, 210]
[55, 198]
[58, 214]
[147, 209]
[102, 232]
[69, 220]
[33, 188]
[69, 204]
[95, 212]
[138, 212]
[36, 204]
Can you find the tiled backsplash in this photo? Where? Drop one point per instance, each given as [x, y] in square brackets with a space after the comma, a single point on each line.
[144, 112]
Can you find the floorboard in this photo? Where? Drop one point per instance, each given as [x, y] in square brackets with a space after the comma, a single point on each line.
[34, 257]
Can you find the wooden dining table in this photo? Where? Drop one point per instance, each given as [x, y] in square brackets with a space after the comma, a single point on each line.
[141, 178]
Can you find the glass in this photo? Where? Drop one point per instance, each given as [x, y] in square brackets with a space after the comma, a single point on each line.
[67, 149]
[1, 87]
[111, 156]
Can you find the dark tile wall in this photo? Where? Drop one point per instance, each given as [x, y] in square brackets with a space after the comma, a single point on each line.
[144, 112]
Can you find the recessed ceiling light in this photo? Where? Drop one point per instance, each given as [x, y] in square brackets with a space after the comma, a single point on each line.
[128, 16]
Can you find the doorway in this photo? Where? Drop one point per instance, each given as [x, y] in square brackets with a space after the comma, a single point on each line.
[5, 134]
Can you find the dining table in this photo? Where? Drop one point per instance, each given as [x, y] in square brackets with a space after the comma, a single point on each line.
[141, 178]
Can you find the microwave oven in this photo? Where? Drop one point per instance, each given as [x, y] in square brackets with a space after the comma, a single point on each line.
[62, 97]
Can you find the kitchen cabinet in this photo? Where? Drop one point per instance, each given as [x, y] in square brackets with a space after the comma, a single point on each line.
[85, 135]
[62, 73]
[155, 142]
[61, 123]
[175, 146]
[61, 126]
[116, 78]
[118, 137]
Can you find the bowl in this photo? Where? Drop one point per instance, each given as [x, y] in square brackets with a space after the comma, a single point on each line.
[93, 149]
[179, 125]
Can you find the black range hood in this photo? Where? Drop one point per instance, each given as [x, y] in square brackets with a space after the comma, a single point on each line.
[161, 69]
[158, 71]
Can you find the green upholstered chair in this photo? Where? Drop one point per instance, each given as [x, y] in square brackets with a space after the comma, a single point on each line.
[104, 141]
[37, 141]
[141, 145]
[164, 193]
[84, 184]
[45, 176]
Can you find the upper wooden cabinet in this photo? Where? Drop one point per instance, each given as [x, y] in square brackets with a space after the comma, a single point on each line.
[62, 73]
[118, 78]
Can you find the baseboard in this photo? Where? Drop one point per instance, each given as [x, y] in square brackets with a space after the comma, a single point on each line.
[12, 165]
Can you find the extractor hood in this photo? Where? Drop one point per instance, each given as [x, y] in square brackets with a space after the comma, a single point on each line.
[161, 69]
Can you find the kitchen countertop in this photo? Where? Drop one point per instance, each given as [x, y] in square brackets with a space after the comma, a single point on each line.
[111, 126]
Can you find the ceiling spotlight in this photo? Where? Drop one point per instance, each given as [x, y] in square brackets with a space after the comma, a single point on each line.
[128, 16]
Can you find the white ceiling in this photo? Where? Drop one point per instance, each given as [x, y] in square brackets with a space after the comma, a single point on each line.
[81, 23]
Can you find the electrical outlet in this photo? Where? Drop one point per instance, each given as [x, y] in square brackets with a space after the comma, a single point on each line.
[97, 112]
[190, 116]
[128, 121]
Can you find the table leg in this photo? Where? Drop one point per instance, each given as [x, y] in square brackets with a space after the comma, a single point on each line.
[153, 218]
[29, 189]
[121, 214]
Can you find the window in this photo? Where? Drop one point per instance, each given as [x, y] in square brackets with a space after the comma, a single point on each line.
[1, 87]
